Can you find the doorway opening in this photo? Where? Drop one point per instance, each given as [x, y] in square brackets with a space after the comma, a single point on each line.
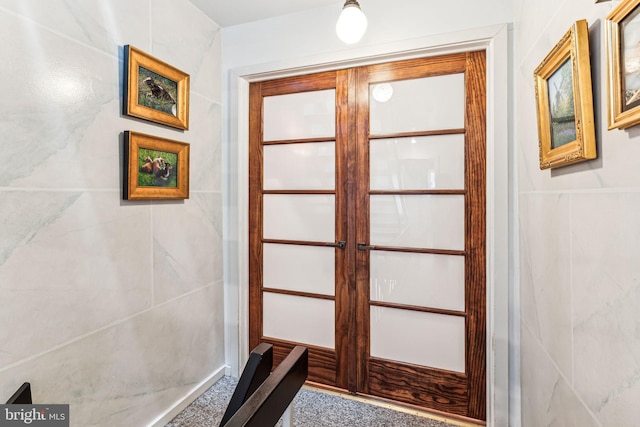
[367, 227]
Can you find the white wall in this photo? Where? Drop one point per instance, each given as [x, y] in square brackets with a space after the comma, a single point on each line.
[313, 33]
[306, 40]
[115, 307]
[580, 245]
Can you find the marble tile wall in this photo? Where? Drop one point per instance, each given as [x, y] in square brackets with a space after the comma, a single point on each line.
[579, 247]
[114, 307]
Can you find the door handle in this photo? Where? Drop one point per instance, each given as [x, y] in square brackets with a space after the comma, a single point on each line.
[341, 244]
[364, 247]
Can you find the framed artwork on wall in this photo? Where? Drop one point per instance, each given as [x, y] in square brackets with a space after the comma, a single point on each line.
[154, 90]
[155, 168]
[564, 101]
[623, 64]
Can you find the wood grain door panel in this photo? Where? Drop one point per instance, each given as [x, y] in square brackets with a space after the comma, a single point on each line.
[350, 365]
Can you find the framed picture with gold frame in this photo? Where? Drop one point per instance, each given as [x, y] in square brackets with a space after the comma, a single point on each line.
[566, 132]
[155, 168]
[154, 90]
[623, 64]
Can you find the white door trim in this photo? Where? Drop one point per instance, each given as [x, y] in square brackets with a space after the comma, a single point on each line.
[494, 40]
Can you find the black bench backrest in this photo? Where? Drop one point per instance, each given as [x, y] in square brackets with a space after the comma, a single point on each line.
[267, 404]
[256, 370]
[22, 396]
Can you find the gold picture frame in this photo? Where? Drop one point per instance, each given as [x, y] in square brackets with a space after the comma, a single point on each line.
[623, 64]
[155, 168]
[154, 90]
[564, 102]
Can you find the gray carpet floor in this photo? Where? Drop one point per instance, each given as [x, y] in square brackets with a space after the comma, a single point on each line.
[311, 409]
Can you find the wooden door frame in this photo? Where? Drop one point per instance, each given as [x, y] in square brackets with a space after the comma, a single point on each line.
[494, 40]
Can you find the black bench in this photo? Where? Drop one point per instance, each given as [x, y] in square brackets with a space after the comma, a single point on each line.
[22, 396]
[260, 398]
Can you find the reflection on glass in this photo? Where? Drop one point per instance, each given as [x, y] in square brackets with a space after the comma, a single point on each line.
[426, 339]
[309, 166]
[630, 40]
[425, 280]
[563, 118]
[299, 268]
[382, 92]
[417, 163]
[300, 115]
[431, 103]
[417, 221]
[299, 319]
[309, 217]
[156, 91]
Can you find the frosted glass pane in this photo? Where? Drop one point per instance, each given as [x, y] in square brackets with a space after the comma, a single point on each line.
[429, 103]
[426, 339]
[299, 319]
[418, 221]
[420, 163]
[299, 217]
[299, 268]
[309, 166]
[300, 115]
[425, 280]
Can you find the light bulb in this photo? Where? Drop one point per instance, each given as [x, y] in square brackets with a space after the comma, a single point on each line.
[352, 23]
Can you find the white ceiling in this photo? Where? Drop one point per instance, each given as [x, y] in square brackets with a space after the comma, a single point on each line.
[233, 12]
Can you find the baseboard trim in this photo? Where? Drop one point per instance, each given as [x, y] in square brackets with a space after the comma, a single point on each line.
[180, 405]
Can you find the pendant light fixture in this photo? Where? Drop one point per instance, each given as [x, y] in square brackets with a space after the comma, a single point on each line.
[352, 23]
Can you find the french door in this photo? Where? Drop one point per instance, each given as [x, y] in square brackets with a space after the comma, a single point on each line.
[367, 228]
